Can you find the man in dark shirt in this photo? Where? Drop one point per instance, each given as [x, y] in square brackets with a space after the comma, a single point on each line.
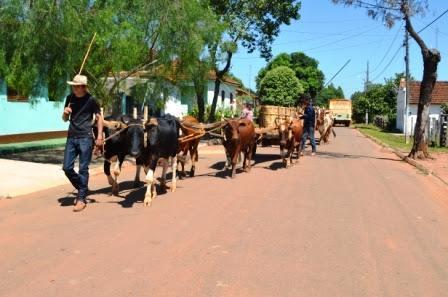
[309, 123]
[80, 107]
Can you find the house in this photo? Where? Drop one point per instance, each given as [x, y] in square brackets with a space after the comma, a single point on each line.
[27, 119]
[178, 95]
[439, 96]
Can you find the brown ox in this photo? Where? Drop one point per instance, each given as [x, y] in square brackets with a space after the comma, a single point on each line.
[290, 132]
[324, 124]
[239, 136]
[189, 146]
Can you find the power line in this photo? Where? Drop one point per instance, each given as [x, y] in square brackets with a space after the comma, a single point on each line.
[388, 64]
[339, 40]
[388, 50]
[435, 20]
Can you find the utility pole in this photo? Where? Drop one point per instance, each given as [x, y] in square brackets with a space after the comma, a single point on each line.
[367, 83]
[406, 44]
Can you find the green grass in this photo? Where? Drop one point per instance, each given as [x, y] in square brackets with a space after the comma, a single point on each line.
[393, 140]
[12, 148]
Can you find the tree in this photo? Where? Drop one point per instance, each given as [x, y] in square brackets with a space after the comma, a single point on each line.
[47, 41]
[305, 68]
[280, 87]
[251, 23]
[327, 93]
[378, 99]
[390, 11]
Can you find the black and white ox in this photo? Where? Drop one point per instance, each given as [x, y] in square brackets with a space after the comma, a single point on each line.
[125, 137]
[162, 145]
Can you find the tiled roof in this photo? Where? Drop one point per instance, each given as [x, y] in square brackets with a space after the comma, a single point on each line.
[439, 95]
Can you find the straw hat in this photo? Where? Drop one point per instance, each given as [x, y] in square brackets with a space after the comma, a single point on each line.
[78, 80]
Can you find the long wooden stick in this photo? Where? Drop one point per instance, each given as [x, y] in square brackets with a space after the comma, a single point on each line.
[87, 54]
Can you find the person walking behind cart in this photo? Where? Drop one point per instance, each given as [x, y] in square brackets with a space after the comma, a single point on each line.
[309, 118]
[80, 107]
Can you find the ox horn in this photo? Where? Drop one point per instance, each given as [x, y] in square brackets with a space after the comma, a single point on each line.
[134, 113]
[113, 124]
[145, 114]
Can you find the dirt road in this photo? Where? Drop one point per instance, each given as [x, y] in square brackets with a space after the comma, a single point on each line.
[351, 221]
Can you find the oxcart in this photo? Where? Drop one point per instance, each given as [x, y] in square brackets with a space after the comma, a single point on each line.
[269, 119]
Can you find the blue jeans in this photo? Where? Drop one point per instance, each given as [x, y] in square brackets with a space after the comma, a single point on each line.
[81, 147]
[309, 131]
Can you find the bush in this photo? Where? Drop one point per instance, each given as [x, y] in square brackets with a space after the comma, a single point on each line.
[220, 112]
[444, 108]
[280, 87]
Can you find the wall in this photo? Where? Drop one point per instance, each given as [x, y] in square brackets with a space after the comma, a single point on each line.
[224, 87]
[434, 112]
[173, 104]
[23, 117]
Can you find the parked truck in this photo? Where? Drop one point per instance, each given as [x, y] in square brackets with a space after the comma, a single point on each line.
[342, 111]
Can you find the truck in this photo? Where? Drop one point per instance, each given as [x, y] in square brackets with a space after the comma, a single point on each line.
[342, 111]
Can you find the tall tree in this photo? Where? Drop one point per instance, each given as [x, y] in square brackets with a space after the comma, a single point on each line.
[47, 41]
[391, 11]
[305, 68]
[251, 23]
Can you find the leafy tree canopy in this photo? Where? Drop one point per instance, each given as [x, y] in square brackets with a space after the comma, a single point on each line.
[379, 99]
[48, 39]
[327, 93]
[305, 69]
[280, 87]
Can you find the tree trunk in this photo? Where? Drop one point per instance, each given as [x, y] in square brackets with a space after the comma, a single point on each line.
[199, 89]
[211, 116]
[219, 76]
[431, 59]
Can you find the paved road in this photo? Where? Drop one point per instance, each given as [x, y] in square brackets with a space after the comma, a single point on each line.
[351, 221]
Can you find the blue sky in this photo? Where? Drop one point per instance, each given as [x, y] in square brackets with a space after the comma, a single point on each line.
[333, 34]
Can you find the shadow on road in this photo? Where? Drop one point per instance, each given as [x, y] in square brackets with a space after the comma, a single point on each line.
[333, 155]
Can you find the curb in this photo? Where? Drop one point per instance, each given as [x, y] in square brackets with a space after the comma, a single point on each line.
[405, 158]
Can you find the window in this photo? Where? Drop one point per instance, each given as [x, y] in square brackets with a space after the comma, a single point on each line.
[223, 96]
[14, 96]
[231, 98]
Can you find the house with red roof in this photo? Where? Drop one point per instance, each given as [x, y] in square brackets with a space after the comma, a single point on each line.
[439, 96]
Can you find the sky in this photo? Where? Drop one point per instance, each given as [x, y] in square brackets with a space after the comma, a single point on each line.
[334, 34]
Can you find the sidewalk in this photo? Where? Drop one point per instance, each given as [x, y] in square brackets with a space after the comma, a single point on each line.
[20, 178]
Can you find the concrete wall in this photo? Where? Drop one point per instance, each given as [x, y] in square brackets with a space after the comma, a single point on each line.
[23, 117]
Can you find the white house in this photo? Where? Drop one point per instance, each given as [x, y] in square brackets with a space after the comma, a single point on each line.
[180, 97]
[439, 96]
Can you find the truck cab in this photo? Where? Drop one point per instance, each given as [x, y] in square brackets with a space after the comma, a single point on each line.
[342, 111]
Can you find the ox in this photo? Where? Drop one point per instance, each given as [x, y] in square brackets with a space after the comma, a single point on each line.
[239, 136]
[291, 133]
[324, 124]
[124, 137]
[162, 143]
[189, 146]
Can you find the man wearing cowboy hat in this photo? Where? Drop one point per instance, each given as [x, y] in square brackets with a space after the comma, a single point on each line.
[80, 107]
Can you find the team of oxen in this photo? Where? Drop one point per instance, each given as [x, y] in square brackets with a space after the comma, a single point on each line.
[169, 141]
